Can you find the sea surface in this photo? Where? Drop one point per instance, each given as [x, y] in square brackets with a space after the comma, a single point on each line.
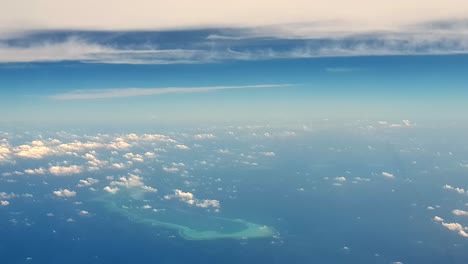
[353, 194]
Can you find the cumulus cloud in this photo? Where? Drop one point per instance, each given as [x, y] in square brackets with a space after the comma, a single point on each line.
[65, 170]
[181, 146]
[340, 179]
[204, 136]
[268, 154]
[208, 203]
[460, 212]
[388, 175]
[133, 181]
[171, 169]
[83, 213]
[36, 171]
[150, 155]
[64, 193]
[438, 219]
[133, 157]
[147, 137]
[4, 203]
[36, 150]
[111, 190]
[87, 182]
[190, 199]
[183, 195]
[457, 227]
[456, 189]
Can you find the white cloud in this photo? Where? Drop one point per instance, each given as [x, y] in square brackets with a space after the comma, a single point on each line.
[457, 227]
[460, 212]
[208, 203]
[64, 193]
[35, 171]
[183, 195]
[388, 175]
[340, 179]
[190, 199]
[133, 181]
[4, 203]
[149, 189]
[83, 213]
[87, 182]
[453, 226]
[223, 151]
[131, 92]
[268, 154]
[36, 150]
[181, 146]
[118, 166]
[438, 219]
[456, 189]
[148, 137]
[170, 169]
[133, 157]
[111, 190]
[150, 155]
[65, 170]
[204, 136]
[332, 15]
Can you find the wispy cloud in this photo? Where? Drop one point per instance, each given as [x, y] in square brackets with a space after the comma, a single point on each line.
[131, 92]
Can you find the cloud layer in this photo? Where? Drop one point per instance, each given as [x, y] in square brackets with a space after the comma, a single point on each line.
[153, 15]
[130, 92]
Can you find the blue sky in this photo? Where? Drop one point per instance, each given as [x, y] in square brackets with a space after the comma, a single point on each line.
[238, 62]
[304, 89]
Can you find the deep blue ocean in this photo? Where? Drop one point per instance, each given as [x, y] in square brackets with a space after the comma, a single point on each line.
[320, 217]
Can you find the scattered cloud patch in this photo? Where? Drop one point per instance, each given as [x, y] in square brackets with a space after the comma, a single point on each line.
[388, 175]
[64, 193]
[65, 170]
[111, 190]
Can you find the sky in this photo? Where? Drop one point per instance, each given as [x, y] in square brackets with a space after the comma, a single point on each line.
[70, 62]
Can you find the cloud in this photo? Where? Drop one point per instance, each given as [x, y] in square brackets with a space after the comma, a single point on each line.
[111, 190]
[268, 154]
[190, 199]
[388, 175]
[204, 136]
[171, 169]
[182, 147]
[83, 213]
[87, 182]
[456, 189]
[132, 182]
[35, 171]
[438, 219]
[460, 212]
[340, 179]
[133, 157]
[131, 92]
[150, 154]
[183, 195]
[37, 150]
[71, 49]
[64, 193]
[334, 15]
[65, 170]
[208, 203]
[4, 203]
